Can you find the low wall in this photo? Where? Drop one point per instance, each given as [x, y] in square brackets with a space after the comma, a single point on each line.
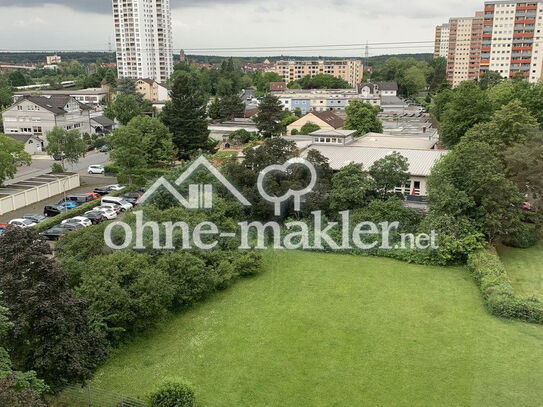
[31, 195]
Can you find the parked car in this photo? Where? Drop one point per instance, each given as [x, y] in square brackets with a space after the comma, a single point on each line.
[105, 148]
[35, 218]
[113, 206]
[115, 187]
[80, 199]
[95, 217]
[132, 197]
[58, 157]
[68, 204]
[109, 212]
[3, 227]
[96, 169]
[22, 223]
[101, 191]
[59, 231]
[93, 195]
[79, 220]
[125, 205]
[54, 210]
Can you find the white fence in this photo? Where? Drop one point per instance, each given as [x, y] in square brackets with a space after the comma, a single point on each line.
[43, 189]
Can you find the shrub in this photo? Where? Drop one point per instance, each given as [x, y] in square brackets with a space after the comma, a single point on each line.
[294, 132]
[173, 394]
[523, 237]
[497, 292]
[309, 128]
[57, 168]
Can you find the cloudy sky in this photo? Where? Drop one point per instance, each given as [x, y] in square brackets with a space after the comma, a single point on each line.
[88, 24]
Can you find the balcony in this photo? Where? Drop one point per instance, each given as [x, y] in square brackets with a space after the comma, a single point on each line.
[524, 35]
[521, 61]
[525, 21]
[526, 8]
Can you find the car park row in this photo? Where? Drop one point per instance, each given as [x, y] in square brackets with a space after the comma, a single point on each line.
[110, 207]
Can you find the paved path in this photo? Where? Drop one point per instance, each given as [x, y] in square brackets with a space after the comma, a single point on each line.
[42, 165]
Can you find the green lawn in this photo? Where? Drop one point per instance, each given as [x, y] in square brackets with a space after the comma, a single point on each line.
[332, 330]
[525, 268]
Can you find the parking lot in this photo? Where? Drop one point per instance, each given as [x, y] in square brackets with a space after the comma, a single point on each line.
[88, 185]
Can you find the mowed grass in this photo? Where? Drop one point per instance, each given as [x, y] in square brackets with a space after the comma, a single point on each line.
[525, 268]
[333, 330]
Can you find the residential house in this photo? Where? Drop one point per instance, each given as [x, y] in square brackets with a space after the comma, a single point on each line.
[101, 125]
[152, 90]
[326, 120]
[37, 115]
[33, 144]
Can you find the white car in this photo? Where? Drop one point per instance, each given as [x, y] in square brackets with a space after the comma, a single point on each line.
[109, 213]
[96, 169]
[79, 220]
[115, 187]
[22, 223]
[124, 204]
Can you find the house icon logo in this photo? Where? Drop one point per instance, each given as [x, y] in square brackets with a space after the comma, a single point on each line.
[200, 195]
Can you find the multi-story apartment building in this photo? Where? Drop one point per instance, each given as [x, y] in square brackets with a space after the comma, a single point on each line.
[513, 39]
[143, 38]
[441, 48]
[352, 71]
[465, 40]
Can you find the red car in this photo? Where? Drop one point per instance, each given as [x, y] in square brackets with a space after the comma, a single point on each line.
[93, 195]
[3, 227]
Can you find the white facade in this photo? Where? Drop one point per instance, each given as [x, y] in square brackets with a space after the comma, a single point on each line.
[512, 40]
[442, 41]
[36, 117]
[143, 37]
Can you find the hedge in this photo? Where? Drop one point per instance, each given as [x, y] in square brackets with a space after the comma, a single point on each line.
[147, 172]
[79, 211]
[497, 291]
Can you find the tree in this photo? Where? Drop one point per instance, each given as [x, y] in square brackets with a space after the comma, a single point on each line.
[524, 163]
[438, 77]
[320, 81]
[17, 78]
[362, 117]
[262, 81]
[510, 125]
[6, 92]
[226, 108]
[127, 153]
[67, 144]
[125, 107]
[268, 119]
[151, 137]
[468, 105]
[490, 79]
[17, 389]
[12, 156]
[186, 117]
[388, 173]
[470, 183]
[173, 394]
[414, 81]
[309, 128]
[351, 188]
[51, 332]
[110, 78]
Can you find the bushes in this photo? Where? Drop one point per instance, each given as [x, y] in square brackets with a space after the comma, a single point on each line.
[173, 394]
[497, 292]
[523, 237]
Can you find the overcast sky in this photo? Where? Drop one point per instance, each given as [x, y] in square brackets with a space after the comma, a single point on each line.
[88, 24]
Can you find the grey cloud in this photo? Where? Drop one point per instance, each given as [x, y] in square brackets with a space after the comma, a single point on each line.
[104, 6]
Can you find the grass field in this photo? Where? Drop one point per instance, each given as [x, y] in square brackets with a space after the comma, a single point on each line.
[525, 268]
[331, 330]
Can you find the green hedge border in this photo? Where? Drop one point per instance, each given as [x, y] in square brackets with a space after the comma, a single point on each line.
[497, 291]
[80, 210]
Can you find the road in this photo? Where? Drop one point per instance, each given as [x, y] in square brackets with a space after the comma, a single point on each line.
[42, 165]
